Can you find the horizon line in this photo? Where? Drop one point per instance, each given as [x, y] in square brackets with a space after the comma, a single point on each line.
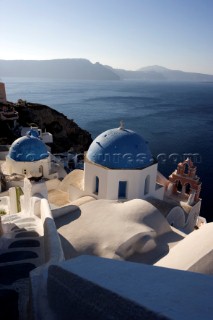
[120, 68]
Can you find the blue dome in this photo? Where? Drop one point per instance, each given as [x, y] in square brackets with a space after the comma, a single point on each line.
[120, 149]
[28, 148]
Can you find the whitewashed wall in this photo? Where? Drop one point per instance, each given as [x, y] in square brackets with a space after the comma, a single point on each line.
[109, 182]
[30, 167]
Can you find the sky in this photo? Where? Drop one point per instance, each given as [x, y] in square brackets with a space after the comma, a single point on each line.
[127, 34]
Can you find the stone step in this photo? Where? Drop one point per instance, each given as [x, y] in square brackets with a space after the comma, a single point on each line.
[17, 256]
[16, 219]
[23, 225]
[11, 273]
[24, 229]
[27, 234]
[24, 243]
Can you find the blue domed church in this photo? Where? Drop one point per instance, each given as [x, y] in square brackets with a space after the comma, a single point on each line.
[29, 156]
[119, 165]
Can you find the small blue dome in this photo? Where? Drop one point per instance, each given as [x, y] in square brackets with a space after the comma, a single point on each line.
[120, 149]
[32, 133]
[28, 148]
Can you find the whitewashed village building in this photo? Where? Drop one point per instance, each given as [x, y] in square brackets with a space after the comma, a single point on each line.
[119, 207]
[29, 156]
[46, 137]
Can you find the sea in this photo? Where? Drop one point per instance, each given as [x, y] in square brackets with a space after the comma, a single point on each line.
[175, 118]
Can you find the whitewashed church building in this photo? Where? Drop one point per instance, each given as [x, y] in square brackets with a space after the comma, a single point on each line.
[119, 165]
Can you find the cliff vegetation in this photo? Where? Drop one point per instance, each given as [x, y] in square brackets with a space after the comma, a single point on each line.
[67, 135]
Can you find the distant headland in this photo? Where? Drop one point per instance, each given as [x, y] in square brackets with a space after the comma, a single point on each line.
[83, 69]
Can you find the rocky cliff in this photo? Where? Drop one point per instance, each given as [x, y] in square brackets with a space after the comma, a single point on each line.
[66, 133]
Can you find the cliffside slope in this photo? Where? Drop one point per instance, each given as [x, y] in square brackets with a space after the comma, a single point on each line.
[66, 133]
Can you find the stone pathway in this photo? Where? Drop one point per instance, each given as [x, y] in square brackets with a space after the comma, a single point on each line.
[21, 251]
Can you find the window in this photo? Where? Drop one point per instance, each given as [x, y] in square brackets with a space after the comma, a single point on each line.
[24, 171]
[122, 189]
[146, 185]
[96, 185]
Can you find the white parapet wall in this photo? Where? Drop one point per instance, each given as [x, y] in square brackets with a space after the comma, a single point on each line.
[52, 244]
[34, 202]
[13, 200]
[149, 292]
[193, 253]
[53, 254]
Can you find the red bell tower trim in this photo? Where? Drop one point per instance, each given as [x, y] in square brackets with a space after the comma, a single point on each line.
[183, 178]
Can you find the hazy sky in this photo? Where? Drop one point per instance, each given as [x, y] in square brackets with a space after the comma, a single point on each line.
[128, 34]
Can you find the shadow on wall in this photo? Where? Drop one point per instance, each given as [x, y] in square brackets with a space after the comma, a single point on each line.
[144, 248]
[67, 218]
[68, 249]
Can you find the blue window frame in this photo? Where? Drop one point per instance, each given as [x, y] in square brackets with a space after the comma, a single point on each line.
[122, 188]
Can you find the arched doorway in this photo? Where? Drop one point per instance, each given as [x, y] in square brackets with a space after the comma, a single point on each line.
[179, 185]
[146, 185]
[187, 188]
[96, 185]
[41, 170]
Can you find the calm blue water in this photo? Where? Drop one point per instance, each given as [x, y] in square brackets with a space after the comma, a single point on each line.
[173, 117]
